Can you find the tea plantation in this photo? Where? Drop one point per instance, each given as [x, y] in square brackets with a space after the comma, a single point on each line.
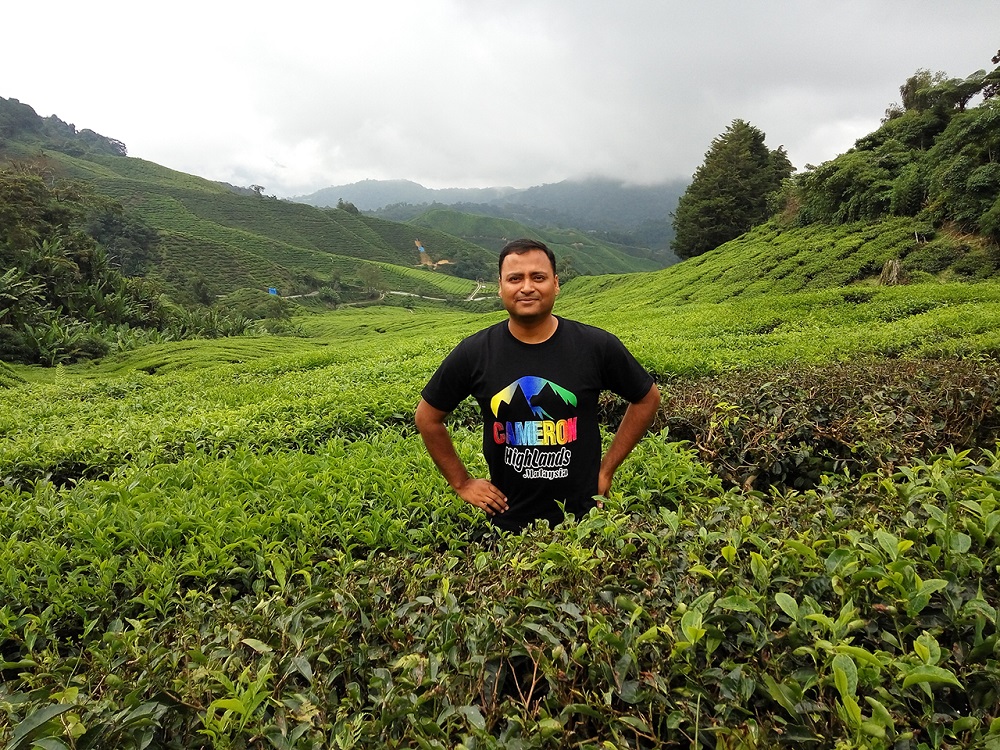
[243, 544]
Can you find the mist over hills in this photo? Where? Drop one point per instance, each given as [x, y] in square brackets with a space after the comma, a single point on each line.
[371, 195]
[628, 214]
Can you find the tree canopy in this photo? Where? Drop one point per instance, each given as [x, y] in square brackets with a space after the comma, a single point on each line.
[934, 157]
[58, 291]
[729, 192]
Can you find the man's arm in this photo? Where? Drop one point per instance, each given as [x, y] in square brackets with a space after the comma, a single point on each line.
[638, 417]
[478, 492]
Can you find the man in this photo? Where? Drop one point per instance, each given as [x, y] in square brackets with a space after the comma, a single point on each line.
[536, 378]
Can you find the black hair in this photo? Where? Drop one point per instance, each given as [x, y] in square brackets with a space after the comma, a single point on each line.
[524, 245]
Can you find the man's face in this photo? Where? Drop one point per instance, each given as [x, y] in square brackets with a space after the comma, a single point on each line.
[528, 286]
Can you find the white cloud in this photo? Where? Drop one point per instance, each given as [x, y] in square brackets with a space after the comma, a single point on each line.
[298, 95]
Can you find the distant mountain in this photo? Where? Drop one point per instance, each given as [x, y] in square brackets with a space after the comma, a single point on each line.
[630, 214]
[370, 195]
[599, 203]
[578, 252]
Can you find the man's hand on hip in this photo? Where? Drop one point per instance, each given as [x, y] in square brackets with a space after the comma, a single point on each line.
[484, 495]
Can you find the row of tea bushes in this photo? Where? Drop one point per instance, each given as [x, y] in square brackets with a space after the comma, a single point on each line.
[857, 614]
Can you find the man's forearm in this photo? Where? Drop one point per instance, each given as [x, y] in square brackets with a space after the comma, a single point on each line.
[477, 492]
[638, 417]
[437, 440]
[442, 451]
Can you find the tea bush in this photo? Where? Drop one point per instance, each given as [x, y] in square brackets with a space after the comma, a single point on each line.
[243, 543]
[682, 614]
[792, 426]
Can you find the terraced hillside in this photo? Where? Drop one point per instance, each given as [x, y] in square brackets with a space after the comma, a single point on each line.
[244, 240]
[580, 251]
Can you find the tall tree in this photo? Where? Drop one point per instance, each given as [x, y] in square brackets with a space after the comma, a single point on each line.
[729, 191]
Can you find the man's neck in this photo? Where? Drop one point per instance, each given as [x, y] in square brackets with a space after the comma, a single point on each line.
[534, 332]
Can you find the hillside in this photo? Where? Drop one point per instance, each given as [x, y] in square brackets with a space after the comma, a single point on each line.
[775, 259]
[225, 238]
[637, 216]
[577, 252]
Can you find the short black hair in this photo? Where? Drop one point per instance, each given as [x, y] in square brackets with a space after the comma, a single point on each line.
[524, 245]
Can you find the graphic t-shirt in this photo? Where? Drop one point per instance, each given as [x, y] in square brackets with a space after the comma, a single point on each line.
[541, 435]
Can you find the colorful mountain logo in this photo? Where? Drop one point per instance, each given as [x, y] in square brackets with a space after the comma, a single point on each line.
[533, 390]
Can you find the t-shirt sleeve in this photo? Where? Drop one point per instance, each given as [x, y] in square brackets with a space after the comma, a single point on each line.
[451, 383]
[623, 374]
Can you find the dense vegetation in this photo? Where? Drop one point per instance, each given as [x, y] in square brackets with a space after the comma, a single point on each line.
[935, 157]
[729, 192]
[61, 296]
[243, 543]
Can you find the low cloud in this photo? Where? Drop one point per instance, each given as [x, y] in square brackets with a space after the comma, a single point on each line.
[461, 93]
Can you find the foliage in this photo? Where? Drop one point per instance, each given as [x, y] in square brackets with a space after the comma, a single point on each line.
[59, 294]
[254, 558]
[242, 542]
[8, 377]
[934, 157]
[728, 194]
[131, 244]
[62, 299]
[792, 426]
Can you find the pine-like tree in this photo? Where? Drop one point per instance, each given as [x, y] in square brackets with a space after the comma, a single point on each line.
[728, 193]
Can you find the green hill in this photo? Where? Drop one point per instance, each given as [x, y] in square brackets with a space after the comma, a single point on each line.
[773, 259]
[224, 236]
[254, 236]
[579, 251]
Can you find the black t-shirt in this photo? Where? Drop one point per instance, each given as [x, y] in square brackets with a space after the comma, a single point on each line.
[541, 435]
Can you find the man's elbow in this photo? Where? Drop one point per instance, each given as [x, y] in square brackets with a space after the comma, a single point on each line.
[652, 397]
[426, 417]
[651, 403]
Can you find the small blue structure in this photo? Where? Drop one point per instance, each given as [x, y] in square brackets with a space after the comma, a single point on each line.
[272, 290]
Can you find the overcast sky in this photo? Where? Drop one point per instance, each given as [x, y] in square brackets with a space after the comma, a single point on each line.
[296, 96]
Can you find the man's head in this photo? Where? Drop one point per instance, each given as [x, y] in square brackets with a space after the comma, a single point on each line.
[524, 245]
[528, 281]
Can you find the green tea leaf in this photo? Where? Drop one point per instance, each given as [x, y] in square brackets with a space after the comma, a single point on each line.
[845, 675]
[259, 646]
[24, 731]
[737, 603]
[928, 673]
[473, 715]
[788, 604]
